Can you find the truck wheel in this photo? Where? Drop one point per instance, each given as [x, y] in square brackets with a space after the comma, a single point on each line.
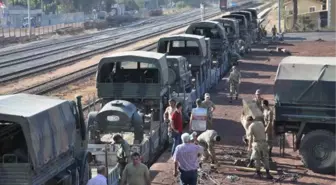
[317, 149]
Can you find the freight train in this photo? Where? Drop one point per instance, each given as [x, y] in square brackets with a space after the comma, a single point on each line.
[54, 145]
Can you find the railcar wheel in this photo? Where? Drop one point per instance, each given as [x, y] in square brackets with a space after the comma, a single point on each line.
[317, 149]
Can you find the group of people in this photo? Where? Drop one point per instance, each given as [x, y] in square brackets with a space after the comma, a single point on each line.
[259, 136]
[189, 151]
[132, 170]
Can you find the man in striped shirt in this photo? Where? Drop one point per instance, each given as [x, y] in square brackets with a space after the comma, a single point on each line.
[186, 160]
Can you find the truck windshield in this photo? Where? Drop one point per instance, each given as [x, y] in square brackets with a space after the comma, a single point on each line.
[13, 148]
[129, 72]
[183, 47]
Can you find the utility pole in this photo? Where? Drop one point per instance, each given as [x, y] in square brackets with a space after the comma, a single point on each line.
[279, 15]
[29, 22]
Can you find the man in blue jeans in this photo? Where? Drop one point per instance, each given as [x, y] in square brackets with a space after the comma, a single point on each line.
[186, 160]
[176, 126]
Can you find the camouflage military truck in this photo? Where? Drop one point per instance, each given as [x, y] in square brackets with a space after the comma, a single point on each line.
[196, 49]
[43, 140]
[304, 92]
[219, 44]
[252, 28]
[243, 30]
[134, 90]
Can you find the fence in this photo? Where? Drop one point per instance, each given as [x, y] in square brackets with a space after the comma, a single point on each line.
[39, 31]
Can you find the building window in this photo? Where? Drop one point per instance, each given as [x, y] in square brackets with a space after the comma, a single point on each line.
[312, 9]
[324, 7]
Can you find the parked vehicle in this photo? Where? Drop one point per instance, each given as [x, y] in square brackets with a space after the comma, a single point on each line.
[243, 30]
[43, 141]
[251, 27]
[219, 45]
[304, 92]
[196, 49]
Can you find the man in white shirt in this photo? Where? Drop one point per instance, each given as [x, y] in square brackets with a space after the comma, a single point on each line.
[100, 179]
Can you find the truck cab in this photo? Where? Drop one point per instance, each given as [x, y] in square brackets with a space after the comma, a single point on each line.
[304, 92]
[219, 44]
[43, 140]
[196, 49]
[243, 30]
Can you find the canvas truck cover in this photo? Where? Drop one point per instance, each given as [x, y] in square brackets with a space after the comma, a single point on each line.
[48, 124]
[157, 59]
[207, 24]
[306, 81]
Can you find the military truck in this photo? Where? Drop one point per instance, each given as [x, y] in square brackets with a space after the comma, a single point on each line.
[305, 105]
[134, 89]
[219, 44]
[43, 140]
[251, 27]
[243, 30]
[196, 49]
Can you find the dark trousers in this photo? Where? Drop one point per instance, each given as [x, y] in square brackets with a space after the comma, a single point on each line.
[188, 177]
[176, 141]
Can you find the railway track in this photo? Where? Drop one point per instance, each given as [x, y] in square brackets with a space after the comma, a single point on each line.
[32, 53]
[46, 43]
[14, 72]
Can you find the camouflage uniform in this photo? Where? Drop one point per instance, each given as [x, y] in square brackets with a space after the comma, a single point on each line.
[259, 103]
[256, 132]
[234, 80]
[206, 140]
[123, 155]
[207, 105]
[268, 121]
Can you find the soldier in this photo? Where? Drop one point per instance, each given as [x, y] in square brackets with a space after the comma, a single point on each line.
[234, 81]
[268, 121]
[210, 106]
[124, 152]
[258, 145]
[207, 140]
[258, 99]
[167, 117]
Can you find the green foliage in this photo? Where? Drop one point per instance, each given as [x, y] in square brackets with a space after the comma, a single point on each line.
[181, 4]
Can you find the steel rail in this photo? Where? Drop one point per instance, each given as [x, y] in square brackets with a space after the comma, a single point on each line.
[8, 51]
[71, 59]
[55, 50]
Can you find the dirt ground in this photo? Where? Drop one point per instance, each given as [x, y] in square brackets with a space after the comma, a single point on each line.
[258, 71]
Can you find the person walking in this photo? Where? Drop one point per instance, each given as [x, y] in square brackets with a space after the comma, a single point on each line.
[210, 106]
[207, 140]
[100, 179]
[136, 173]
[274, 31]
[176, 126]
[268, 121]
[123, 153]
[186, 161]
[234, 82]
[258, 146]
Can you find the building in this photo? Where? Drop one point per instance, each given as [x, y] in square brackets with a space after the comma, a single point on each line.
[305, 6]
[312, 14]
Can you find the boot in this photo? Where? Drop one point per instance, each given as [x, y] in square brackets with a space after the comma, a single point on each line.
[258, 174]
[250, 164]
[268, 175]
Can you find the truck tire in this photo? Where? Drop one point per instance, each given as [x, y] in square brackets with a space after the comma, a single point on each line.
[317, 149]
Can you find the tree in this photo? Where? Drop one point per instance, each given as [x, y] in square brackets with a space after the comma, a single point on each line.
[295, 13]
